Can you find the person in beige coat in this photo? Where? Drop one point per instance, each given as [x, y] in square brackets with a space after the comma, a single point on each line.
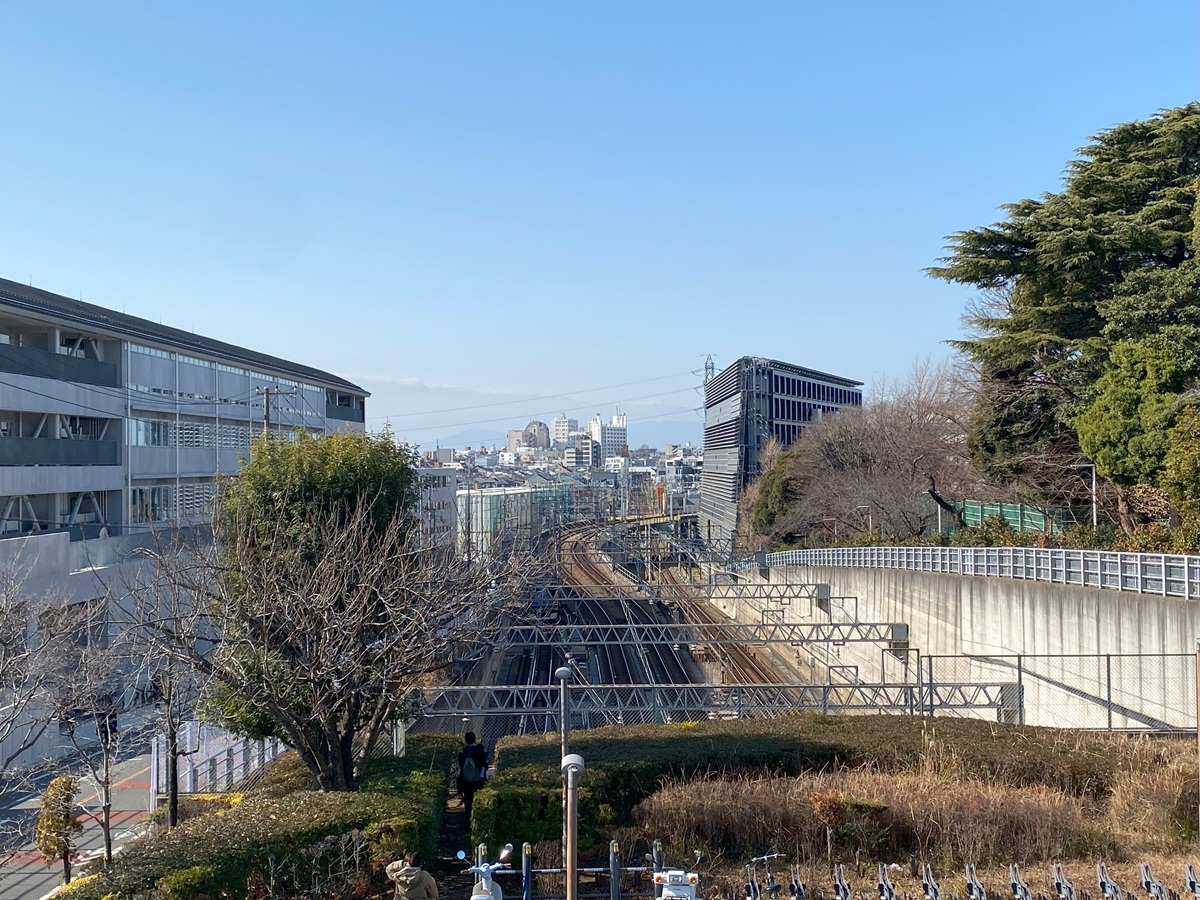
[412, 882]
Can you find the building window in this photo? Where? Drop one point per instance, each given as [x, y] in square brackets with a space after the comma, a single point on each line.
[151, 504]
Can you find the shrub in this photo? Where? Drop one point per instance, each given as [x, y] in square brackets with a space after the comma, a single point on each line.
[263, 833]
[627, 764]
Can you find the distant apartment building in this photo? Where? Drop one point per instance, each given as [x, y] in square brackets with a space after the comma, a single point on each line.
[582, 452]
[438, 489]
[440, 456]
[561, 428]
[612, 437]
[745, 406]
[535, 435]
[113, 426]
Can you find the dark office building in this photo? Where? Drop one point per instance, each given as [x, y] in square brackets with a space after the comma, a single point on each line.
[746, 405]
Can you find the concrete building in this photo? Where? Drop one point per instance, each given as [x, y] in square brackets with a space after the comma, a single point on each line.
[612, 437]
[747, 405]
[561, 428]
[438, 512]
[112, 427]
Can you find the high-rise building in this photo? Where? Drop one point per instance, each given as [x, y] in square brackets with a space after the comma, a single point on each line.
[745, 406]
[613, 437]
[561, 428]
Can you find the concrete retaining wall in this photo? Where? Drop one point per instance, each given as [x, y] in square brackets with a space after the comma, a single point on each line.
[1087, 657]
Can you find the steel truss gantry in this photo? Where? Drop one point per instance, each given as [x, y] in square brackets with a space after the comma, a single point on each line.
[891, 633]
[674, 702]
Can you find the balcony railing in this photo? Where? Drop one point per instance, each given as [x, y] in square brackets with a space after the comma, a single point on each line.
[57, 366]
[343, 413]
[1166, 574]
[29, 451]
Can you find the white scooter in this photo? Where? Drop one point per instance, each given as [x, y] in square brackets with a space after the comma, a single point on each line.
[485, 888]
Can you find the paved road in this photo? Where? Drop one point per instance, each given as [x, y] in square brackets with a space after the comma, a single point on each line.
[26, 877]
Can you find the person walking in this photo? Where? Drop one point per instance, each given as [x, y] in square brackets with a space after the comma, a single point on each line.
[472, 771]
[412, 882]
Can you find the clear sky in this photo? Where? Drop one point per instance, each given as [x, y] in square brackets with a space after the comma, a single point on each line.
[489, 212]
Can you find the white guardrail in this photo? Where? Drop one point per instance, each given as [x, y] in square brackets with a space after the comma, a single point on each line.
[1145, 573]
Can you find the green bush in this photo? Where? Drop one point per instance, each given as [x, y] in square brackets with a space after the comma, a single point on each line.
[186, 883]
[235, 845]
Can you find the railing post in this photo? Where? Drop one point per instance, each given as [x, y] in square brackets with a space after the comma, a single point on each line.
[614, 871]
[929, 684]
[1108, 695]
[656, 860]
[1020, 690]
[526, 871]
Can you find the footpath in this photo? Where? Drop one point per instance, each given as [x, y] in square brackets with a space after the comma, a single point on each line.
[25, 877]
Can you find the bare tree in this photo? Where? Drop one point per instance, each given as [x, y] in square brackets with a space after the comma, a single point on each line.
[322, 648]
[29, 637]
[886, 467]
[82, 688]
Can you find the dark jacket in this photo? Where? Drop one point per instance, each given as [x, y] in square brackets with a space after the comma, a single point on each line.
[478, 754]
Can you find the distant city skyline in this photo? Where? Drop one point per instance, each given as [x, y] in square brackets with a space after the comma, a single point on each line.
[485, 213]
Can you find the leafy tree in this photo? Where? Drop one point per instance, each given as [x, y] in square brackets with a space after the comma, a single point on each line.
[1124, 430]
[1109, 259]
[57, 824]
[318, 609]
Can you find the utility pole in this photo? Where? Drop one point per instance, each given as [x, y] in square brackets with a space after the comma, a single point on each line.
[266, 395]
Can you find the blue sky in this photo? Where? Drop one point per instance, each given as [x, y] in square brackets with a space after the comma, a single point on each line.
[490, 212]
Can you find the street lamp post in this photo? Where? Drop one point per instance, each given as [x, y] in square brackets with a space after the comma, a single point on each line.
[563, 674]
[1091, 466]
[870, 521]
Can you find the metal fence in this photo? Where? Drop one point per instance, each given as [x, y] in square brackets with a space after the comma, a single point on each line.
[1165, 574]
[1115, 692]
[211, 760]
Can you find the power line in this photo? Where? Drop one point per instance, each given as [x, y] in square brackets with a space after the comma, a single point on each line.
[538, 399]
[509, 418]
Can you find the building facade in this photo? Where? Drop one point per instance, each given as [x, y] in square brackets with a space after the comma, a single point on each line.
[561, 428]
[110, 422]
[613, 436]
[747, 405]
[112, 427]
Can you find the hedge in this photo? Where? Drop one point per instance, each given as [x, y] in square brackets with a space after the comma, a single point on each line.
[399, 802]
[625, 764]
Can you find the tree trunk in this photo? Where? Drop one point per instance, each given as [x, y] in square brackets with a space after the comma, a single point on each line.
[172, 771]
[66, 859]
[107, 748]
[954, 511]
[1124, 513]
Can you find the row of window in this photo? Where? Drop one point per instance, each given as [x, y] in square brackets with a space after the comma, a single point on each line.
[284, 403]
[798, 410]
[168, 433]
[158, 503]
[814, 390]
[222, 367]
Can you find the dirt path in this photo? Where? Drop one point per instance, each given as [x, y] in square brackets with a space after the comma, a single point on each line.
[453, 883]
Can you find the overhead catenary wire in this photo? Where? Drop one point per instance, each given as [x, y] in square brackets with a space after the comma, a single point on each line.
[546, 413]
[538, 399]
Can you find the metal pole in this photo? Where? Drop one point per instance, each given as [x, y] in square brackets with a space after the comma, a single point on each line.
[563, 674]
[614, 871]
[1093, 497]
[526, 871]
[572, 765]
[1108, 678]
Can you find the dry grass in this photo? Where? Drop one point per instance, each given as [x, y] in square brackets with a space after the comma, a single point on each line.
[889, 817]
